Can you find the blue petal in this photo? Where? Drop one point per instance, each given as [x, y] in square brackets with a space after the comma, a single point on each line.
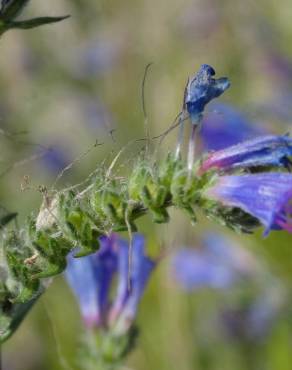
[104, 264]
[122, 287]
[81, 278]
[201, 89]
[128, 295]
[262, 151]
[266, 196]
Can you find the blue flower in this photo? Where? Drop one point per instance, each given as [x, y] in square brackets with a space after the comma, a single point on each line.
[130, 287]
[55, 159]
[201, 89]
[259, 152]
[254, 319]
[266, 196]
[264, 310]
[225, 127]
[95, 58]
[91, 279]
[231, 270]
[217, 264]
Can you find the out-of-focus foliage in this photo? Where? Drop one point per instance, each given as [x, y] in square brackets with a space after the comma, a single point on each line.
[72, 92]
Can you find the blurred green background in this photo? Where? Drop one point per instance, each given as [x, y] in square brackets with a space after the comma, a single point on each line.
[68, 85]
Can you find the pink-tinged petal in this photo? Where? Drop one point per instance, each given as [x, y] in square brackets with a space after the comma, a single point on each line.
[259, 152]
[80, 276]
[132, 282]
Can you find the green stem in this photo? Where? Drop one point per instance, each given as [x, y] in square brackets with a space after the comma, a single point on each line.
[249, 352]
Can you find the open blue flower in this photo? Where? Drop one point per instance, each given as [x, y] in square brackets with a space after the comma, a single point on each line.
[91, 280]
[258, 152]
[201, 89]
[266, 196]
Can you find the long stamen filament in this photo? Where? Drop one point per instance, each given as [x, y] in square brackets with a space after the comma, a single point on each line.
[180, 136]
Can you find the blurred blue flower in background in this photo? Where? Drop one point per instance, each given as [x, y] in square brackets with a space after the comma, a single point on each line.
[216, 264]
[91, 279]
[251, 298]
[96, 115]
[226, 126]
[261, 151]
[95, 58]
[266, 196]
[278, 65]
[278, 107]
[253, 318]
[55, 159]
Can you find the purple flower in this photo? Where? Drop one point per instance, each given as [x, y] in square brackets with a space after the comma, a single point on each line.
[278, 65]
[129, 291]
[262, 151]
[264, 310]
[201, 89]
[266, 196]
[96, 57]
[91, 280]
[225, 127]
[55, 159]
[256, 296]
[253, 320]
[80, 276]
[96, 115]
[217, 264]
[277, 108]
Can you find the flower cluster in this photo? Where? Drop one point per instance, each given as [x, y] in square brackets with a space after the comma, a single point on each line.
[241, 187]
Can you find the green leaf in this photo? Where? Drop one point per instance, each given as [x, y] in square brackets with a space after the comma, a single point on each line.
[9, 323]
[33, 23]
[4, 220]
